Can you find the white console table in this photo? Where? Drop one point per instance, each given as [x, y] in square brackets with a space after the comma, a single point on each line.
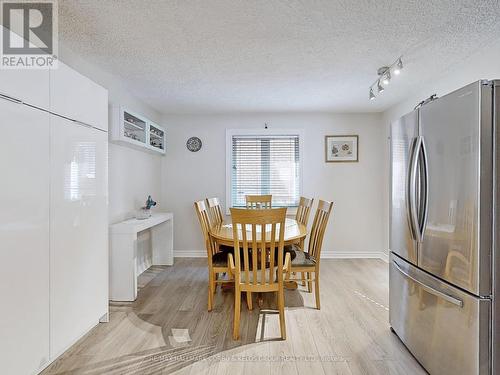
[123, 253]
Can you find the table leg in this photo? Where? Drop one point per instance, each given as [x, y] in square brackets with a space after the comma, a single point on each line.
[123, 267]
[162, 242]
[260, 300]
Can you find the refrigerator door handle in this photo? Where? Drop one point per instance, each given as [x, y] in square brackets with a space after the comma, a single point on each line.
[423, 226]
[437, 293]
[408, 194]
[412, 190]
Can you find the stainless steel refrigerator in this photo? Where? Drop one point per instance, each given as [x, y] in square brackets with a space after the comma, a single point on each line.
[444, 231]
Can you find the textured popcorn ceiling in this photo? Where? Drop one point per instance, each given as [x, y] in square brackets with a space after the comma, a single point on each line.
[201, 56]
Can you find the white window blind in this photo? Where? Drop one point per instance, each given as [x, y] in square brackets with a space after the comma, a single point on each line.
[265, 165]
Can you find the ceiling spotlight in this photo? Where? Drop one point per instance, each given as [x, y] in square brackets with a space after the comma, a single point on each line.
[372, 95]
[384, 72]
[387, 78]
[380, 88]
[384, 77]
[399, 67]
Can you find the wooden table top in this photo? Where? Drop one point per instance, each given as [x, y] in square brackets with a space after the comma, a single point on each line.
[294, 233]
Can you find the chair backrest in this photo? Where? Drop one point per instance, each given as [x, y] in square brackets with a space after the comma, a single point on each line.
[203, 216]
[256, 261]
[258, 201]
[215, 210]
[319, 227]
[304, 209]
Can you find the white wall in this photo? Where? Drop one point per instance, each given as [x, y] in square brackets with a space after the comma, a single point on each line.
[483, 64]
[133, 175]
[355, 228]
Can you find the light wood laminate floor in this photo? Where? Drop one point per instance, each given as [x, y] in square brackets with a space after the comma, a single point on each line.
[168, 329]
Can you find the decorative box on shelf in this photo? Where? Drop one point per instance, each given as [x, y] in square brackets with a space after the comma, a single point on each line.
[132, 129]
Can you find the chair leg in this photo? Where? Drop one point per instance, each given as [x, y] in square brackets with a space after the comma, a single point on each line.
[309, 282]
[216, 277]
[303, 276]
[316, 288]
[210, 299]
[210, 290]
[281, 308]
[249, 300]
[237, 311]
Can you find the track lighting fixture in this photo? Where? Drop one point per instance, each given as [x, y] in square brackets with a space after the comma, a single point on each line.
[372, 95]
[380, 88]
[399, 67]
[385, 76]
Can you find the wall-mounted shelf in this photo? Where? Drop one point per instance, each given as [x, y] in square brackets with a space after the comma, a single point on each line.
[132, 129]
[156, 137]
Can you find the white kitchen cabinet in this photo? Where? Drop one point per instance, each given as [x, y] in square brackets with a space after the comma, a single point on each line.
[78, 231]
[53, 215]
[24, 238]
[77, 97]
[132, 129]
[28, 85]
[156, 136]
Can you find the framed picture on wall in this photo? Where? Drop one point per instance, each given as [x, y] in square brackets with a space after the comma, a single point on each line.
[341, 148]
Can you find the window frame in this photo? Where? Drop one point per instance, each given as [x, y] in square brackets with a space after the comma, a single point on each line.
[261, 132]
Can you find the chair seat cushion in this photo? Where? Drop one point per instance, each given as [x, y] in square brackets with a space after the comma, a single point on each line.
[226, 249]
[301, 258]
[219, 259]
[230, 249]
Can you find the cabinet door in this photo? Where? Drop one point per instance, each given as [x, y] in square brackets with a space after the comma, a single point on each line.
[24, 238]
[78, 231]
[77, 97]
[28, 85]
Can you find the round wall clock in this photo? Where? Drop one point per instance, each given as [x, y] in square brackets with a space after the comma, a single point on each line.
[194, 144]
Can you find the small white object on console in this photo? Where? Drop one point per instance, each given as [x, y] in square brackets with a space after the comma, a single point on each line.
[123, 252]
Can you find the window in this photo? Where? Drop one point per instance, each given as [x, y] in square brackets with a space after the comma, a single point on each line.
[264, 164]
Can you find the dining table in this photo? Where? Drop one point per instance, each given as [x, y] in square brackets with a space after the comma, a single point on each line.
[295, 233]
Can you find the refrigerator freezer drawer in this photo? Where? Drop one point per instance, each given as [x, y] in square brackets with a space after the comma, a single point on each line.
[446, 329]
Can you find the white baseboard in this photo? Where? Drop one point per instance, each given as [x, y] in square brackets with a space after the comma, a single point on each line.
[384, 257]
[54, 357]
[190, 253]
[324, 254]
[354, 255]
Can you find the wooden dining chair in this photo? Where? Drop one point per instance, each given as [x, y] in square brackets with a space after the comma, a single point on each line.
[260, 264]
[217, 260]
[216, 216]
[308, 262]
[302, 217]
[303, 210]
[258, 201]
